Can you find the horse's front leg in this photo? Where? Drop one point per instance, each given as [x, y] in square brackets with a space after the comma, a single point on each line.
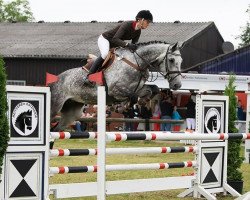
[70, 112]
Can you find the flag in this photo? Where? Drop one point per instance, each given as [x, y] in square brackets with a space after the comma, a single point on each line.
[97, 78]
[50, 78]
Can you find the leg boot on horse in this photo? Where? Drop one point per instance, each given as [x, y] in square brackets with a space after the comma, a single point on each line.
[98, 63]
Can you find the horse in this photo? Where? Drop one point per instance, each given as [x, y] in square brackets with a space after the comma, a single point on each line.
[124, 79]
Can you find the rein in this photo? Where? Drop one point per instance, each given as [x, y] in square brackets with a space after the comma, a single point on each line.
[142, 70]
[166, 76]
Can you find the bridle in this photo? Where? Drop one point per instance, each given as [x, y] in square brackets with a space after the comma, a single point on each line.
[167, 75]
[168, 72]
[142, 70]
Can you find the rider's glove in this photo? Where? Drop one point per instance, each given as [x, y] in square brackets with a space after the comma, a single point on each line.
[132, 46]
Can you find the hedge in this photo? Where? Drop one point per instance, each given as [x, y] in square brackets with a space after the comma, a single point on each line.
[4, 127]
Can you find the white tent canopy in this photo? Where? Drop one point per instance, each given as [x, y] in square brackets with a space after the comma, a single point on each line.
[203, 82]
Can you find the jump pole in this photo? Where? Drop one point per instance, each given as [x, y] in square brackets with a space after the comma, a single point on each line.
[113, 151]
[152, 135]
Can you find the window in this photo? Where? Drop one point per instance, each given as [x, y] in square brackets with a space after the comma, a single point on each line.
[16, 82]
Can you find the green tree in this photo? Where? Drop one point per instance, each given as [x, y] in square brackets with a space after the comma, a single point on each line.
[245, 35]
[17, 10]
[234, 159]
[4, 127]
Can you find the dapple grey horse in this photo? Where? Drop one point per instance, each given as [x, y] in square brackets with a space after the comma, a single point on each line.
[123, 79]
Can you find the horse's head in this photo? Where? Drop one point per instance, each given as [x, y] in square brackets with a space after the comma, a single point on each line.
[171, 65]
[166, 59]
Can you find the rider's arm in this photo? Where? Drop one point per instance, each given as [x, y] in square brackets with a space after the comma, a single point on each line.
[117, 39]
[136, 39]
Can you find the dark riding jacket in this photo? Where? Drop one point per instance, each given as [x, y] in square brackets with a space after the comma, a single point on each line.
[124, 31]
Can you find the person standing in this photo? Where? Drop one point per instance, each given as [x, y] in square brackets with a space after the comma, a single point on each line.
[176, 116]
[190, 116]
[156, 115]
[146, 113]
[240, 112]
[166, 112]
[137, 114]
[81, 125]
[129, 113]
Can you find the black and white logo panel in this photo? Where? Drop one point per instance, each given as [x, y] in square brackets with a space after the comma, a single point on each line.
[213, 117]
[213, 120]
[211, 167]
[27, 118]
[23, 177]
[24, 118]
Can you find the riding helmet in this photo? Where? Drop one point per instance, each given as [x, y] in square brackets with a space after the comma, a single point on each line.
[144, 14]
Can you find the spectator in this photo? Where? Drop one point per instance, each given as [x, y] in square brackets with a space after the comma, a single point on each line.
[108, 112]
[137, 114]
[176, 116]
[146, 113]
[80, 125]
[129, 113]
[190, 116]
[166, 112]
[156, 115]
[94, 114]
[240, 112]
[136, 111]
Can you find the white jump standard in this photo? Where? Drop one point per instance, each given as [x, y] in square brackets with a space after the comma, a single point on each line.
[210, 162]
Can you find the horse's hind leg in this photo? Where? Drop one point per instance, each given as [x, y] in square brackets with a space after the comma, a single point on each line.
[57, 102]
[71, 111]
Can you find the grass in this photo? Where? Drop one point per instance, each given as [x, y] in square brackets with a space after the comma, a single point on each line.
[123, 175]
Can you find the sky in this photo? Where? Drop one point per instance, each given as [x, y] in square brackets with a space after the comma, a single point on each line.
[229, 16]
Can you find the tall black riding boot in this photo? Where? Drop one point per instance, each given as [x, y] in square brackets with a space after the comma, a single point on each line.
[98, 63]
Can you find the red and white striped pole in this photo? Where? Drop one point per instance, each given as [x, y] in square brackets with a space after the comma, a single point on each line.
[123, 136]
[113, 151]
[123, 167]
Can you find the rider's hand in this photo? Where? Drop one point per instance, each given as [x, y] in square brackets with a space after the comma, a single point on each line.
[132, 46]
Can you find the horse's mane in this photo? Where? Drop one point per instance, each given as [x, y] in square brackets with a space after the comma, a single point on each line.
[151, 42]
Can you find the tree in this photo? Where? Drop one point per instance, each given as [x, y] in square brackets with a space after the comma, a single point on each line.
[4, 127]
[234, 159]
[17, 10]
[245, 35]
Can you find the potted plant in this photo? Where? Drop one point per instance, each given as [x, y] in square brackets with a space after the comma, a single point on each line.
[234, 158]
[4, 128]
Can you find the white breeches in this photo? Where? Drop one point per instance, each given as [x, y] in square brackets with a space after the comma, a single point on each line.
[190, 123]
[103, 45]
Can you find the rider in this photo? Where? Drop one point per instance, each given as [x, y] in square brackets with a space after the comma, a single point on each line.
[127, 30]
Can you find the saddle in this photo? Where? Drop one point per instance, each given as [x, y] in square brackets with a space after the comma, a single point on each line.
[98, 77]
[107, 62]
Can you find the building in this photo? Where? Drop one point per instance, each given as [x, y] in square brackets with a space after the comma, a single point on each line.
[32, 49]
[236, 62]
